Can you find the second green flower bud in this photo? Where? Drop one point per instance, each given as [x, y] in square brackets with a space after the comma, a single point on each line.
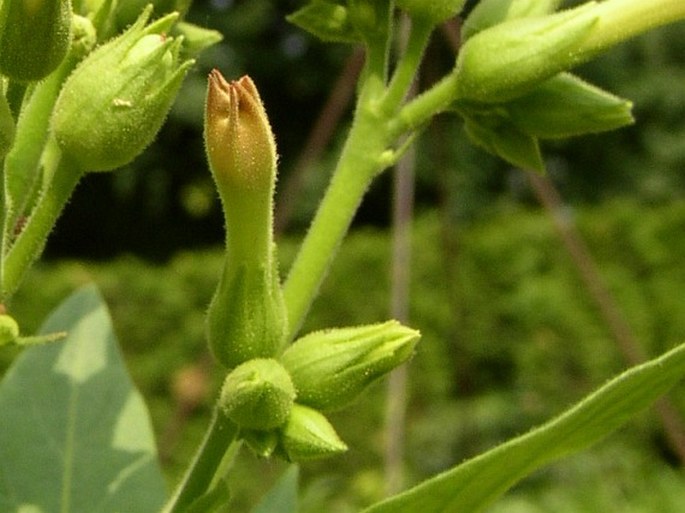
[331, 368]
[258, 394]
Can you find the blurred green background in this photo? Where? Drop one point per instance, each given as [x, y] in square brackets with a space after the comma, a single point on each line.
[511, 335]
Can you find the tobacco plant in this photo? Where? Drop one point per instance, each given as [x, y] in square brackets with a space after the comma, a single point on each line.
[86, 87]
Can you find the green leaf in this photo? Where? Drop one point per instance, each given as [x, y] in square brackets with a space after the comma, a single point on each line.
[282, 498]
[473, 485]
[326, 20]
[74, 432]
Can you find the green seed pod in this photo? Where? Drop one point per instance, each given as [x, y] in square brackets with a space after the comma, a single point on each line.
[115, 102]
[331, 368]
[308, 435]
[9, 330]
[258, 394]
[7, 127]
[433, 12]
[34, 37]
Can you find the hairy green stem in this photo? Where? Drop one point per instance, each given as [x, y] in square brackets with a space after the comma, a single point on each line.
[360, 161]
[33, 235]
[424, 107]
[206, 464]
[406, 69]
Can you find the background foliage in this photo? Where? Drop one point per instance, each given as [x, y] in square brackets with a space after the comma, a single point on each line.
[510, 334]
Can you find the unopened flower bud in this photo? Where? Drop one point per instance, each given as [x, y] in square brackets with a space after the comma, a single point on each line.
[246, 318]
[433, 12]
[308, 435]
[258, 394]
[116, 100]
[34, 37]
[331, 368]
[509, 59]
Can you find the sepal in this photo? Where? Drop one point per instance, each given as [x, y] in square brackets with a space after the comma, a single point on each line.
[308, 435]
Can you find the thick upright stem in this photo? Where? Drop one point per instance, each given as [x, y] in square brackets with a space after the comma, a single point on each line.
[361, 160]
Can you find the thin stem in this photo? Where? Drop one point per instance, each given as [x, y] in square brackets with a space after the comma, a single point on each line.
[31, 241]
[422, 108]
[361, 160]
[201, 473]
[405, 72]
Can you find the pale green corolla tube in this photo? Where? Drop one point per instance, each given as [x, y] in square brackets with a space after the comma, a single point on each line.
[511, 58]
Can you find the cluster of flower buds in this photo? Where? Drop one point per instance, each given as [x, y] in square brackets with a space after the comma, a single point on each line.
[512, 87]
[278, 403]
[275, 397]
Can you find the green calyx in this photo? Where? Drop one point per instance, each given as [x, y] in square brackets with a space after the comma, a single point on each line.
[331, 368]
[128, 86]
[563, 106]
[34, 37]
[308, 435]
[246, 318]
[258, 395]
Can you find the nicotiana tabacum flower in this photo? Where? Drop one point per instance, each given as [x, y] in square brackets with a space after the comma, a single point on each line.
[246, 318]
[116, 100]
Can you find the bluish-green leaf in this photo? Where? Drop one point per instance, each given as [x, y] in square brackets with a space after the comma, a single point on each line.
[471, 486]
[282, 498]
[74, 432]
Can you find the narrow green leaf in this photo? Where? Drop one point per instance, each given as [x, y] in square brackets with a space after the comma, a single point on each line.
[74, 432]
[329, 21]
[473, 485]
[282, 498]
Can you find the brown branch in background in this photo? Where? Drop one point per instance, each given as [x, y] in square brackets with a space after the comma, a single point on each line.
[625, 339]
[321, 133]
